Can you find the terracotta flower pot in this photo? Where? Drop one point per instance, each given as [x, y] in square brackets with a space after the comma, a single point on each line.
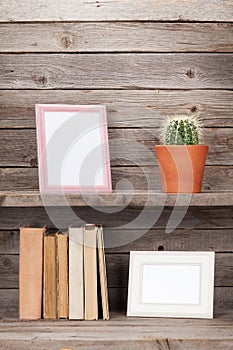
[181, 167]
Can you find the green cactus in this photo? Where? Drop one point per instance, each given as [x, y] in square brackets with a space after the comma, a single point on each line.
[181, 130]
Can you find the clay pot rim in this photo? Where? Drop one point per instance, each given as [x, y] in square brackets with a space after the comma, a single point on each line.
[181, 146]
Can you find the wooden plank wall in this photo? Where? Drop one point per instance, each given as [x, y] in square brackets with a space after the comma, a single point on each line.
[143, 60]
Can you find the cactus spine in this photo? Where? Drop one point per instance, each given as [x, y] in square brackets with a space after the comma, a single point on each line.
[181, 130]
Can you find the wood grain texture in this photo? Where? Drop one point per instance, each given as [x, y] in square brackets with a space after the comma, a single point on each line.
[9, 242]
[123, 240]
[148, 335]
[127, 147]
[160, 333]
[83, 10]
[117, 270]
[149, 178]
[118, 266]
[154, 69]
[120, 199]
[131, 108]
[222, 298]
[156, 334]
[117, 218]
[149, 343]
[141, 178]
[19, 178]
[222, 316]
[9, 301]
[124, 71]
[116, 37]
[117, 297]
[218, 240]
[9, 271]
[138, 344]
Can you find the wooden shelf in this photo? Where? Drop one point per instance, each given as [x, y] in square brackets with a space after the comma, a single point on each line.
[138, 199]
[120, 332]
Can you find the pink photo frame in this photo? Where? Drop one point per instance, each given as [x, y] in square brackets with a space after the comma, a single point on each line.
[73, 149]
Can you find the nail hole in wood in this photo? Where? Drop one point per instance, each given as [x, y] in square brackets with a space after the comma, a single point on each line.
[190, 73]
[33, 161]
[193, 109]
[67, 41]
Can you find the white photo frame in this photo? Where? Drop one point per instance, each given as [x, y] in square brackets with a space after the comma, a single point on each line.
[73, 152]
[171, 284]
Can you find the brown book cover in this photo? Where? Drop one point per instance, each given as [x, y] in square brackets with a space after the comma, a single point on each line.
[30, 272]
[90, 273]
[50, 283]
[102, 273]
[62, 275]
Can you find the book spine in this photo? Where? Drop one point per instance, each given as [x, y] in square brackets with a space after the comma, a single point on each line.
[50, 285]
[30, 273]
[76, 283]
[62, 275]
[102, 273]
[90, 273]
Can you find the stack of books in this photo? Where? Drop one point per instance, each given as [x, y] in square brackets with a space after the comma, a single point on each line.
[63, 275]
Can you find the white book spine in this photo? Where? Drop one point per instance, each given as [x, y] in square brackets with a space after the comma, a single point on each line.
[76, 287]
[90, 273]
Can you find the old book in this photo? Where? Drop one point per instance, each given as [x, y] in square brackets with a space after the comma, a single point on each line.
[102, 273]
[50, 288]
[62, 275]
[30, 273]
[90, 273]
[76, 283]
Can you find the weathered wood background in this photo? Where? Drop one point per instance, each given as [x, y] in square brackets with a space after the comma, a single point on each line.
[143, 60]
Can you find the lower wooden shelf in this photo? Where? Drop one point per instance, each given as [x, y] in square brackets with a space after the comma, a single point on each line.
[135, 199]
[120, 332]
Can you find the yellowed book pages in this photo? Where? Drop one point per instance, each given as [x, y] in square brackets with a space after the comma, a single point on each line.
[62, 275]
[50, 285]
[102, 273]
[90, 273]
[30, 273]
[76, 281]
